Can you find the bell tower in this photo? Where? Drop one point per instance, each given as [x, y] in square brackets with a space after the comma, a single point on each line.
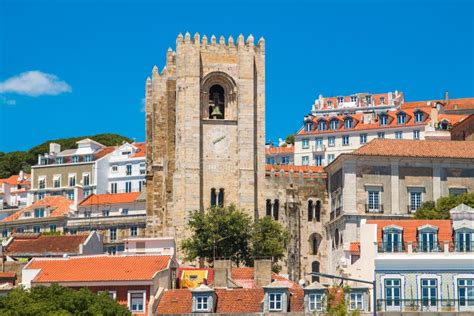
[205, 131]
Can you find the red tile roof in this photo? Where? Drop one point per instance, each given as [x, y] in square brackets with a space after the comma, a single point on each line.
[43, 245]
[175, 302]
[410, 228]
[141, 150]
[117, 198]
[417, 148]
[7, 275]
[239, 301]
[104, 152]
[101, 268]
[354, 248]
[59, 204]
[13, 180]
[453, 104]
[308, 171]
[280, 150]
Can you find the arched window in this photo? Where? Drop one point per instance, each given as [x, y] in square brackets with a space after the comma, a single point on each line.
[314, 243]
[315, 268]
[336, 238]
[383, 118]
[334, 124]
[317, 213]
[322, 125]
[401, 118]
[220, 200]
[213, 197]
[310, 210]
[216, 102]
[444, 125]
[269, 207]
[308, 127]
[348, 123]
[272, 209]
[418, 116]
[276, 208]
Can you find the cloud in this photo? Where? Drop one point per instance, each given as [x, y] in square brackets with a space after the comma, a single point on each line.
[34, 83]
[143, 105]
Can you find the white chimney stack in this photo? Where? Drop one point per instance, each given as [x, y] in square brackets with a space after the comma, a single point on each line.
[54, 148]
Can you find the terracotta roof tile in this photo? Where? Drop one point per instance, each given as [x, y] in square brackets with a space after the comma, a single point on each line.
[354, 247]
[59, 204]
[175, 302]
[13, 180]
[141, 150]
[280, 150]
[45, 245]
[117, 198]
[410, 228]
[453, 104]
[239, 301]
[417, 148]
[104, 152]
[98, 268]
[7, 275]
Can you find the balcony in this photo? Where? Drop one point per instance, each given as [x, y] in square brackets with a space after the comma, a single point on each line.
[425, 305]
[425, 247]
[335, 213]
[391, 247]
[318, 148]
[374, 208]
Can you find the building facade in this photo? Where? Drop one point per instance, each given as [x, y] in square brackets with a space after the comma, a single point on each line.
[13, 191]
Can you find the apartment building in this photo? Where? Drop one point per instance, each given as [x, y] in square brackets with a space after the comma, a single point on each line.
[282, 155]
[390, 179]
[13, 191]
[57, 172]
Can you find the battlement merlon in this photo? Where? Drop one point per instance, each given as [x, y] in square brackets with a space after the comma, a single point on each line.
[204, 44]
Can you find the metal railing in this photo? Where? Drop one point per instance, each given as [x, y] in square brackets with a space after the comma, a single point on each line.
[391, 247]
[464, 246]
[411, 209]
[425, 305]
[374, 208]
[427, 247]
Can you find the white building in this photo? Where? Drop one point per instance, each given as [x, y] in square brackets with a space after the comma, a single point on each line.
[13, 191]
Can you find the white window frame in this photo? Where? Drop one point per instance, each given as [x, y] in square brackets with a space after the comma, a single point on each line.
[356, 301]
[398, 135]
[438, 284]
[273, 300]
[363, 138]
[416, 134]
[71, 176]
[402, 292]
[136, 231]
[377, 192]
[114, 168]
[344, 138]
[305, 144]
[315, 302]
[42, 179]
[56, 177]
[84, 175]
[129, 297]
[113, 187]
[412, 191]
[331, 141]
[202, 303]
[456, 292]
[318, 160]
[305, 160]
[128, 186]
[114, 229]
[330, 157]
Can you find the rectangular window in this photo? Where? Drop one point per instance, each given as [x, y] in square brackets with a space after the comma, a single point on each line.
[457, 191]
[392, 241]
[137, 301]
[75, 159]
[381, 134]
[305, 160]
[418, 117]
[140, 186]
[429, 292]
[415, 201]
[41, 182]
[427, 241]
[202, 303]
[129, 170]
[87, 214]
[392, 292]
[319, 160]
[113, 234]
[134, 231]
[285, 160]
[39, 212]
[383, 120]
[57, 181]
[319, 143]
[114, 168]
[315, 302]
[105, 213]
[125, 211]
[70, 195]
[330, 157]
[87, 192]
[59, 160]
[41, 196]
[36, 229]
[340, 100]
[401, 118]
[5, 233]
[128, 186]
[88, 158]
[368, 99]
[373, 202]
[86, 179]
[305, 143]
[72, 180]
[466, 292]
[275, 301]
[345, 140]
[113, 187]
[363, 138]
[356, 301]
[27, 214]
[331, 141]
[353, 99]
[52, 228]
[382, 100]
[416, 134]
[464, 241]
[398, 134]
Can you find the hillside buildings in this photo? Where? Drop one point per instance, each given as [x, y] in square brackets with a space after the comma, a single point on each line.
[13, 191]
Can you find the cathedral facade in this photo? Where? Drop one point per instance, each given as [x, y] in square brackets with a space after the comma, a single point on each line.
[205, 134]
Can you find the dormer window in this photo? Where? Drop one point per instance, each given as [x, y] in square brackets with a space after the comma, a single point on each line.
[348, 123]
[59, 160]
[202, 299]
[329, 104]
[39, 212]
[383, 119]
[202, 303]
[401, 118]
[334, 124]
[315, 302]
[322, 125]
[428, 239]
[275, 302]
[392, 239]
[340, 100]
[382, 100]
[75, 159]
[444, 125]
[418, 117]
[88, 158]
[353, 99]
[464, 240]
[368, 99]
[308, 127]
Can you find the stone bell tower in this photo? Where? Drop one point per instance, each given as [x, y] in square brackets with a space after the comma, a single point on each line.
[205, 131]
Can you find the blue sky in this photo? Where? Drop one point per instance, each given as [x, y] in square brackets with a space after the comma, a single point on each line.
[97, 55]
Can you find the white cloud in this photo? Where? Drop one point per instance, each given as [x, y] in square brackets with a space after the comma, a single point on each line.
[34, 83]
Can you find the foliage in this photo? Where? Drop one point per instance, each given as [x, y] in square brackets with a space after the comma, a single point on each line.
[11, 163]
[336, 304]
[269, 240]
[229, 233]
[290, 139]
[440, 209]
[219, 232]
[58, 300]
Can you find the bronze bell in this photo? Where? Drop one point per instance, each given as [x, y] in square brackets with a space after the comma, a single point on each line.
[216, 112]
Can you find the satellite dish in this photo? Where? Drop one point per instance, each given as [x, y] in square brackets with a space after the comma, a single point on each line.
[301, 282]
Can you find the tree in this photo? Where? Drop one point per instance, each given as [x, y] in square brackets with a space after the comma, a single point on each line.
[219, 232]
[58, 300]
[290, 139]
[440, 209]
[269, 240]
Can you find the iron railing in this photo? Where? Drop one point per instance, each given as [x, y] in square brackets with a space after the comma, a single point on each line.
[425, 305]
[374, 208]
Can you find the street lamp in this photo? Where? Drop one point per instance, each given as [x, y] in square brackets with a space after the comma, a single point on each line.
[373, 283]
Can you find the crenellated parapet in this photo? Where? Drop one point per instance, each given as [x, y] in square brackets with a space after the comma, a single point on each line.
[214, 45]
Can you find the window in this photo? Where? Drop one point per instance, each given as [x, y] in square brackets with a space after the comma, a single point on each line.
[305, 160]
[340, 100]
[331, 141]
[134, 231]
[88, 158]
[353, 99]
[217, 198]
[330, 157]
[113, 187]
[383, 119]
[52, 228]
[427, 241]
[398, 134]
[401, 118]
[105, 213]
[27, 214]
[57, 182]
[356, 301]
[275, 301]
[457, 191]
[270, 160]
[308, 127]
[59, 160]
[75, 159]
[276, 208]
[373, 201]
[382, 100]
[70, 195]
[444, 125]
[72, 180]
[114, 168]
[285, 160]
[87, 192]
[392, 292]
[20, 230]
[305, 143]
[137, 301]
[113, 234]
[415, 201]
[319, 143]
[329, 104]
[348, 123]
[429, 292]
[368, 99]
[41, 183]
[5, 233]
[125, 211]
[128, 186]
[86, 179]
[141, 184]
[36, 229]
[322, 125]
[315, 302]
[220, 198]
[363, 138]
[464, 241]
[418, 117]
[381, 134]
[319, 160]
[202, 303]
[345, 140]
[39, 212]
[392, 241]
[334, 124]
[87, 214]
[315, 240]
[466, 292]
[416, 134]
[129, 170]
[41, 196]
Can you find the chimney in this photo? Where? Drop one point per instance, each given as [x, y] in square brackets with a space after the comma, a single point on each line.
[434, 116]
[262, 272]
[221, 272]
[54, 148]
[78, 195]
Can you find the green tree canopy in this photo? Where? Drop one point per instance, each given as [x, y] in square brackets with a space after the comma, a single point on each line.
[230, 233]
[58, 300]
[440, 209]
[290, 139]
